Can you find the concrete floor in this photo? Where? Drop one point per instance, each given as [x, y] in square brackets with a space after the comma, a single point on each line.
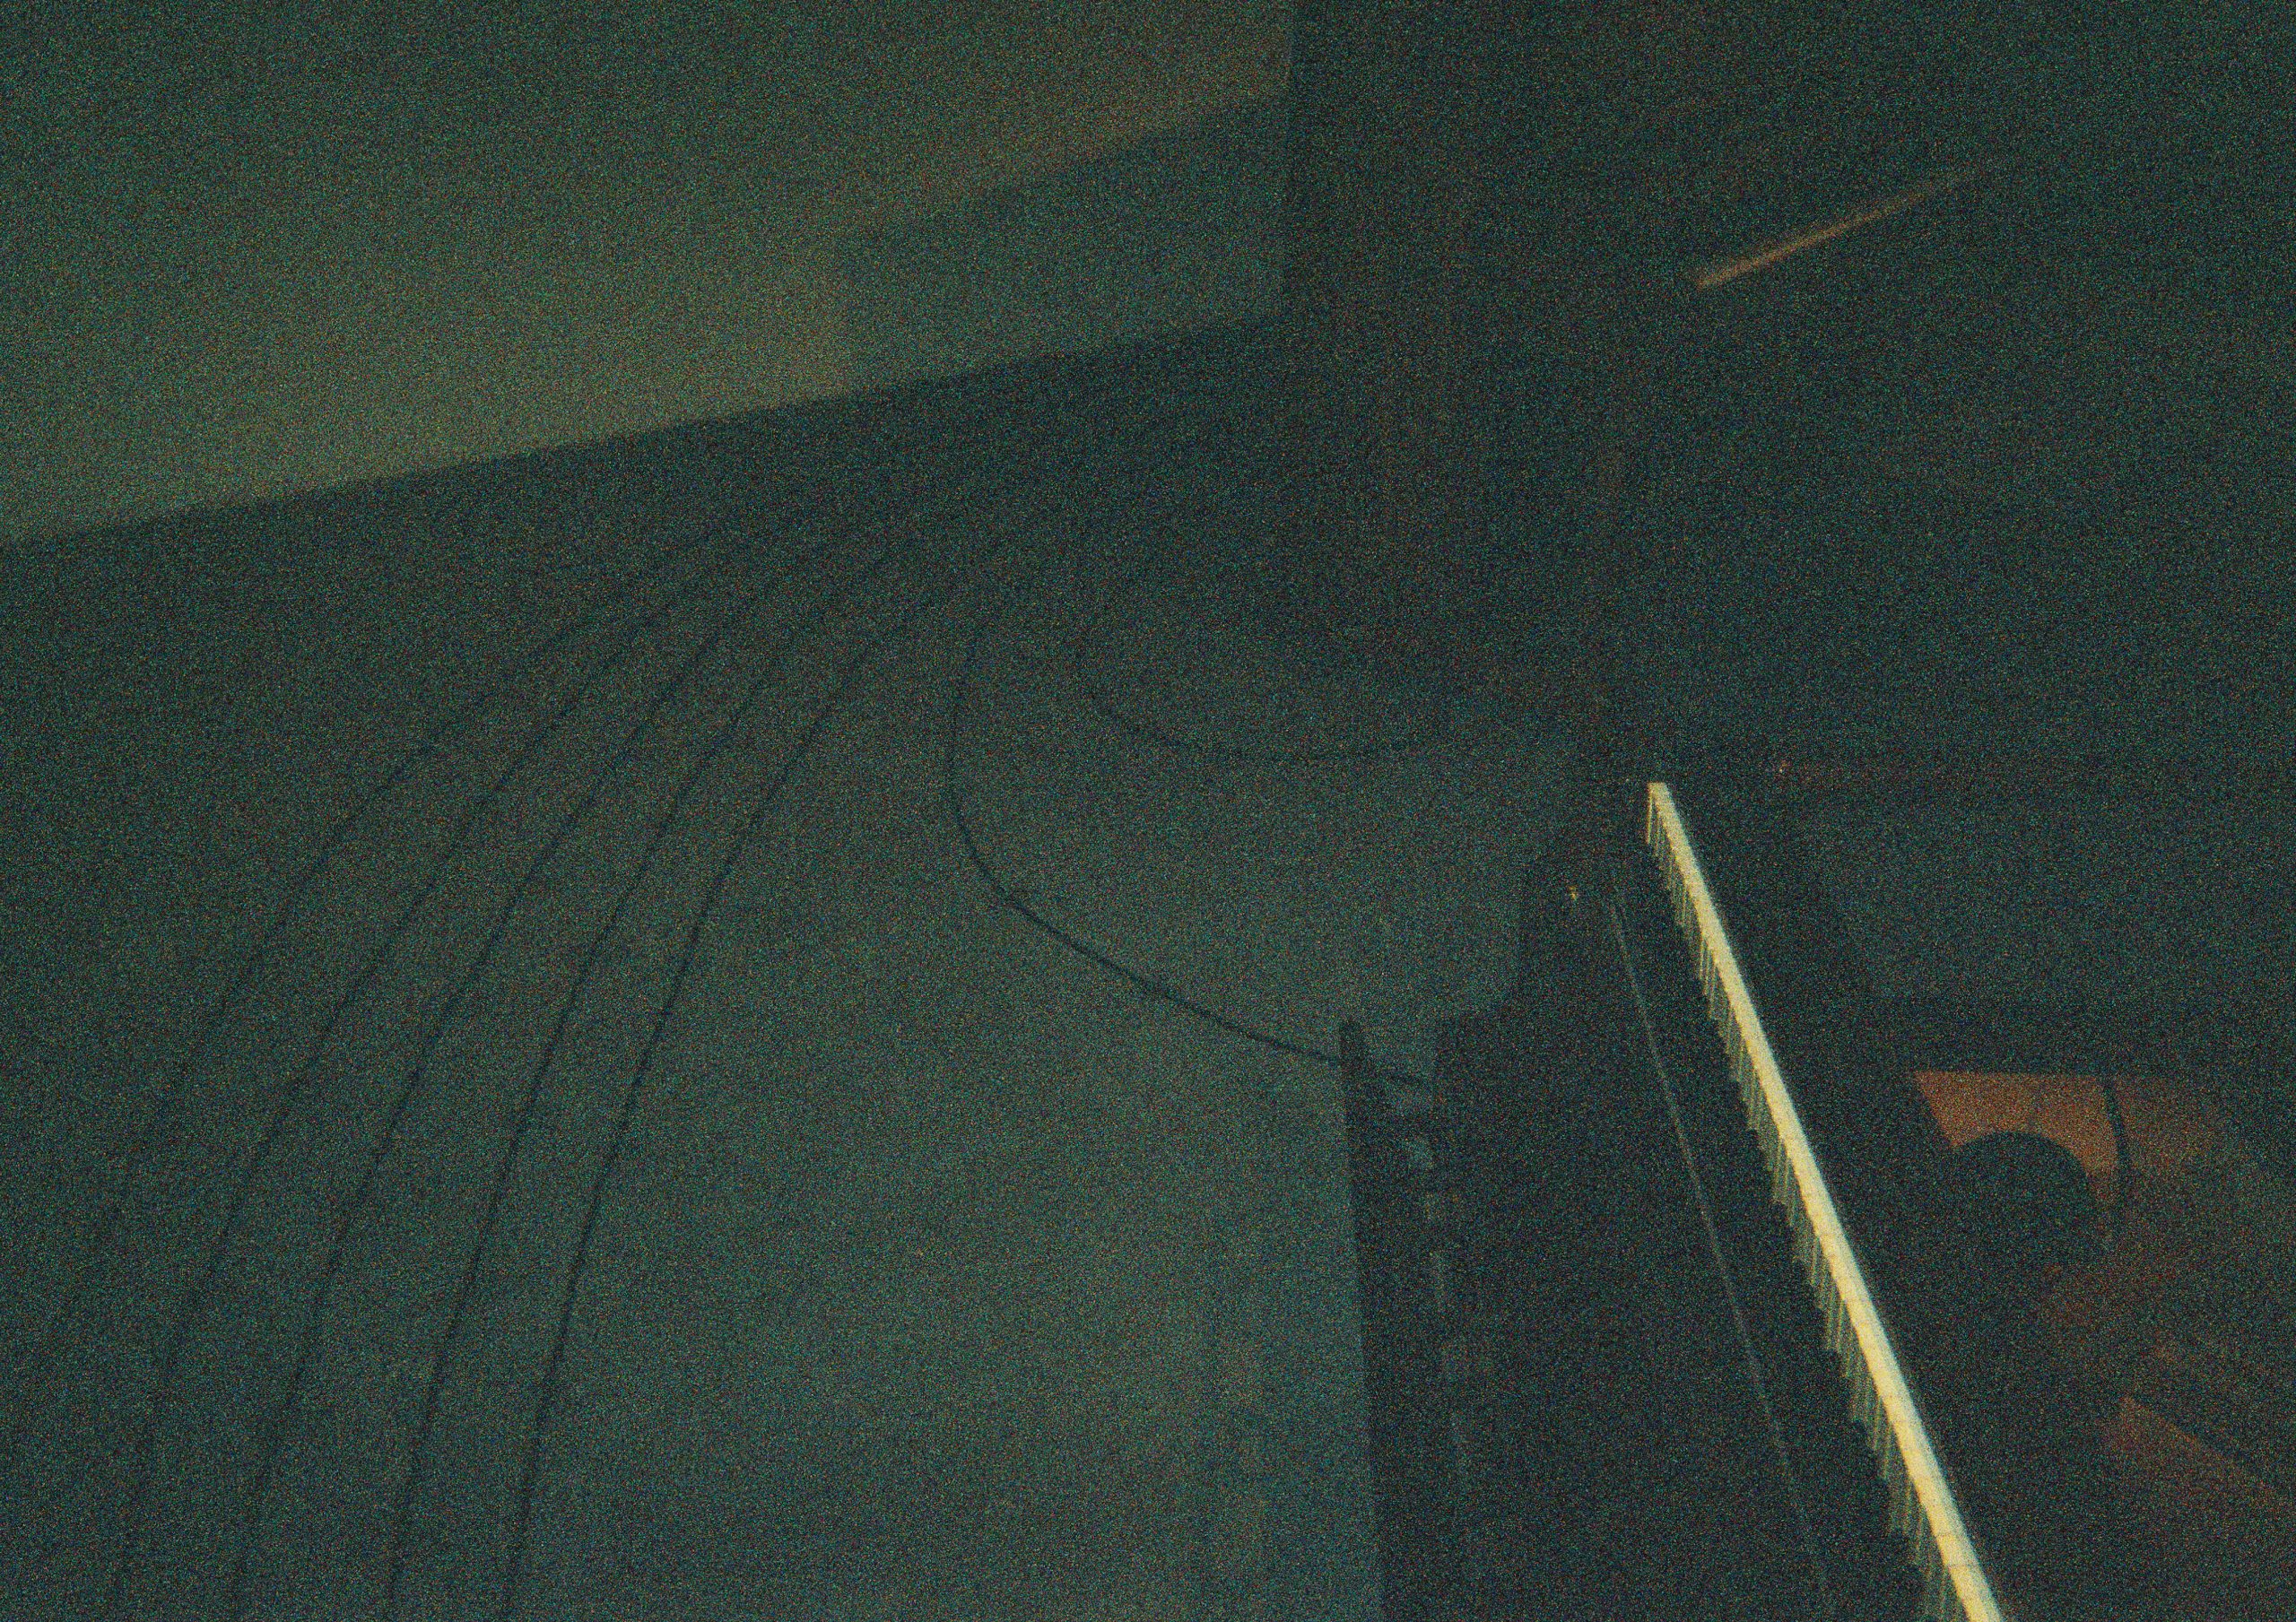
[913, 1264]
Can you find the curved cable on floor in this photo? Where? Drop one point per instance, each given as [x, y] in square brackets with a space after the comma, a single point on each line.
[275, 1439]
[1106, 707]
[1006, 897]
[196, 1300]
[160, 1121]
[633, 1091]
[183, 1320]
[419, 1448]
[193, 1304]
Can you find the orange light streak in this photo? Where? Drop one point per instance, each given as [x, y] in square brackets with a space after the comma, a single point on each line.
[1730, 270]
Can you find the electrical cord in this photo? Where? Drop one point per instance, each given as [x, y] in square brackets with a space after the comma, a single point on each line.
[1102, 705]
[1011, 899]
[196, 1303]
[717, 740]
[634, 1089]
[143, 1145]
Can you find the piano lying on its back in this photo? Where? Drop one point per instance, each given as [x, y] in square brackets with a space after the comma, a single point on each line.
[1682, 1300]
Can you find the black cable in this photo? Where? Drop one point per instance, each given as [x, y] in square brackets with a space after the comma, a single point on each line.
[159, 1122]
[275, 1440]
[811, 488]
[632, 1093]
[467, 1286]
[1011, 899]
[196, 1300]
[192, 1302]
[1106, 707]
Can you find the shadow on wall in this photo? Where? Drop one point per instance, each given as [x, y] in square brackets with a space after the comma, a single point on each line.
[1177, 232]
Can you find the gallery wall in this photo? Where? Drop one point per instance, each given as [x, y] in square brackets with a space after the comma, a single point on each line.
[247, 249]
